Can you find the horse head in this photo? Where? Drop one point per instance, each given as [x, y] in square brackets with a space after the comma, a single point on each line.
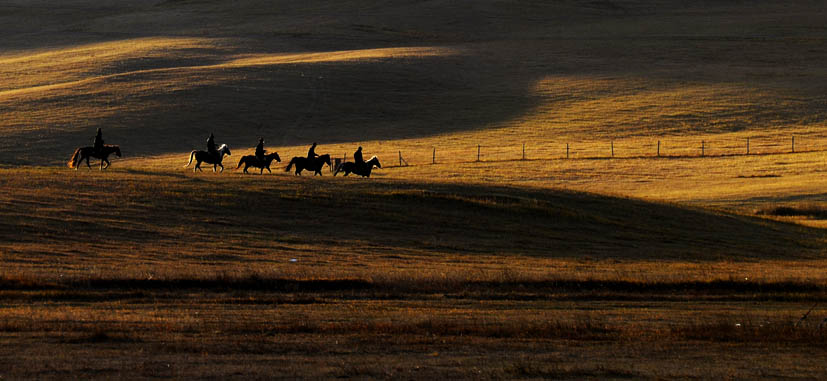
[224, 149]
[117, 150]
[275, 155]
[325, 159]
[374, 161]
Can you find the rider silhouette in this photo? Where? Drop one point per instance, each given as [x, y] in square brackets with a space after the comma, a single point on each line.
[211, 146]
[311, 153]
[260, 150]
[357, 157]
[98, 144]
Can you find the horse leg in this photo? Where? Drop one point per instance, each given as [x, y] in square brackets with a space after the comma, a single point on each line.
[107, 163]
[87, 163]
[268, 170]
[197, 166]
[222, 167]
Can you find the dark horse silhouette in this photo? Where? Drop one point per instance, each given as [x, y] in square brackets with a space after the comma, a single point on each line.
[252, 161]
[87, 152]
[204, 156]
[363, 171]
[303, 163]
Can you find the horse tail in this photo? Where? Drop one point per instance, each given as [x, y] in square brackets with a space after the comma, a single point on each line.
[192, 155]
[73, 161]
[290, 165]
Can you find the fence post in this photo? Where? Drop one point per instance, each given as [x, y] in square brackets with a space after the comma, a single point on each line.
[433, 158]
[478, 152]
[793, 144]
[613, 148]
[702, 148]
[747, 146]
[523, 151]
[658, 148]
[567, 150]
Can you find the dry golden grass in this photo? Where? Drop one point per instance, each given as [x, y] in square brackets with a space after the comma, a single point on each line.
[583, 268]
[551, 80]
[170, 273]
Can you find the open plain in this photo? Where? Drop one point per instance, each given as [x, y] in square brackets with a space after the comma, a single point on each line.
[569, 189]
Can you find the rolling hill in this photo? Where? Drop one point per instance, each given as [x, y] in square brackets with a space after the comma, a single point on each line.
[639, 237]
[159, 76]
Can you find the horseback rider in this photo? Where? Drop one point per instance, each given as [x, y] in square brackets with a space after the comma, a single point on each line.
[357, 157]
[98, 144]
[311, 153]
[260, 150]
[211, 146]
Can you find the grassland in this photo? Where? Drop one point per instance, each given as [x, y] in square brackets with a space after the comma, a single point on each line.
[254, 276]
[586, 267]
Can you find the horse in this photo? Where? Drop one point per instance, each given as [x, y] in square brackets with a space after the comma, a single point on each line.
[314, 165]
[252, 160]
[363, 171]
[87, 152]
[209, 158]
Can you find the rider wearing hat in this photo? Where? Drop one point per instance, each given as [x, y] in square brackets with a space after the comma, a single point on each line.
[260, 150]
[311, 153]
[211, 146]
[357, 157]
[98, 144]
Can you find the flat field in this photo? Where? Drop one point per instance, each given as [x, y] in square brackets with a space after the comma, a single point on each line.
[637, 237]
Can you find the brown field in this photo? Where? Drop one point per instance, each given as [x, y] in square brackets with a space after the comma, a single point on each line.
[587, 267]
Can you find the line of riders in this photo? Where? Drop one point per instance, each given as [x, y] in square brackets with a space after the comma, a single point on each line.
[215, 155]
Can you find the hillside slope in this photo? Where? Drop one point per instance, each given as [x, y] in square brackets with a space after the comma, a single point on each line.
[132, 220]
[158, 77]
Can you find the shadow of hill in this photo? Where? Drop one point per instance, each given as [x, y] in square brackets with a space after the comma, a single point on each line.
[234, 217]
[504, 51]
[288, 104]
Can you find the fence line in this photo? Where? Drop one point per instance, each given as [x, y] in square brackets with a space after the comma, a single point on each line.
[661, 150]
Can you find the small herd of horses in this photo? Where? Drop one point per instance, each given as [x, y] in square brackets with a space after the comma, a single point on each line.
[298, 163]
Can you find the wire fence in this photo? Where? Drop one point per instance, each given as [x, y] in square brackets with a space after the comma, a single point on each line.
[673, 147]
